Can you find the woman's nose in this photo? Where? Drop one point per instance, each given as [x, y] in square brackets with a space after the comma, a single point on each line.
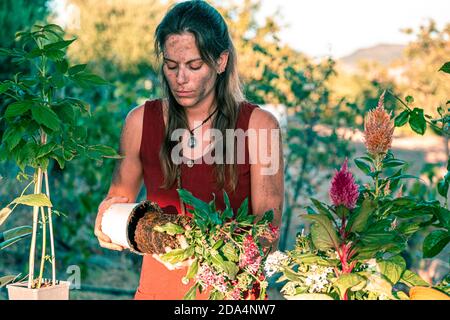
[181, 76]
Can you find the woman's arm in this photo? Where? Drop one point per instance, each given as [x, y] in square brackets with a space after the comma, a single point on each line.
[127, 178]
[267, 174]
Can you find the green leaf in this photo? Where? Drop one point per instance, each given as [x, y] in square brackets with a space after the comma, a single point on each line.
[18, 108]
[76, 69]
[170, 228]
[323, 234]
[391, 163]
[217, 245]
[348, 281]
[445, 68]
[193, 269]
[322, 209]
[5, 86]
[412, 279]
[392, 268]
[104, 151]
[12, 136]
[46, 149]
[174, 256]
[4, 214]
[192, 293]
[417, 121]
[89, 78]
[267, 216]
[230, 252]
[13, 235]
[435, 242]
[55, 55]
[358, 220]
[38, 200]
[401, 119]
[242, 211]
[231, 269]
[442, 187]
[362, 165]
[62, 66]
[58, 45]
[45, 116]
[409, 99]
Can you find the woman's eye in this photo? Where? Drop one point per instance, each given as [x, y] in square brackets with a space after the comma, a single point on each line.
[171, 66]
[196, 66]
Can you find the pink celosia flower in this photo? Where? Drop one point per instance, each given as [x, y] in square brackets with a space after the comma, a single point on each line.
[251, 258]
[235, 294]
[378, 129]
[344, 190]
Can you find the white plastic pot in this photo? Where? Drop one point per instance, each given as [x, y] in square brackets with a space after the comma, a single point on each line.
[115, 223]
[20, 291]
[120, 220]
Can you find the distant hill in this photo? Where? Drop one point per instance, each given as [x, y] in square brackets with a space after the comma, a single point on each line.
[382, 53]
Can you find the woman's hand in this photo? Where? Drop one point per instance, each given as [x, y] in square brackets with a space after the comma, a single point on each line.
[103, 239]
[179, 265]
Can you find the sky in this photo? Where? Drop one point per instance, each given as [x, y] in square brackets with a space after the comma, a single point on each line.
[339, 27]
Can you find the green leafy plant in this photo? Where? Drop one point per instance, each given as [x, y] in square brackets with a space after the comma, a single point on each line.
[228, 250]
[41, 127]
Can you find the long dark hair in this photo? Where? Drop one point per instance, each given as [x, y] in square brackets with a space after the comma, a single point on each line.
[212, 38]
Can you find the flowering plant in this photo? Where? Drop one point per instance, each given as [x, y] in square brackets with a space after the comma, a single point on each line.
[228, 250]
[354, 245]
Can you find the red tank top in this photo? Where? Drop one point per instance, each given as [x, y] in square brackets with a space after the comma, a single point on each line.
[156, 281]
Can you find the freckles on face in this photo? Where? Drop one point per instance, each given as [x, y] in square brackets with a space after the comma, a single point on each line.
[190, 78]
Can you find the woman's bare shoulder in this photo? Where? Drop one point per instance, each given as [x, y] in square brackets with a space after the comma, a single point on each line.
[262, 119]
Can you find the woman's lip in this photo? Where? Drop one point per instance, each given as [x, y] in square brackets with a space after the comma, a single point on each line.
[183, 93]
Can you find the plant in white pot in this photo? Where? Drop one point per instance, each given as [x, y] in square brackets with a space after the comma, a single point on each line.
[41, 127]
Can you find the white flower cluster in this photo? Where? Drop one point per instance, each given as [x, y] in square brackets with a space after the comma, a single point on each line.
[316, 278]
[274, 262]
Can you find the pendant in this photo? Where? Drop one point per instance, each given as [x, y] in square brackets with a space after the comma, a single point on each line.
[190, 163]
[191, 142]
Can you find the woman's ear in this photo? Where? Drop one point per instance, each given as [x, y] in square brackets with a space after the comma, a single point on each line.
[222, 62]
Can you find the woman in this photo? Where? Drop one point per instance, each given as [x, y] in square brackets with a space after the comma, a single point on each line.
[201, 84]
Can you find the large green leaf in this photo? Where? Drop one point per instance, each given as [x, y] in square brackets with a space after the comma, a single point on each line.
[347, 281]
[58, 45]
[18, 108]
[193, 269]
[402, 118]
[45, 116]
[323, 234]
[412, 279]
[192, 293]
[392, 268]
[362, 165]
[174, 256]
[242, 211]
[11, 236]
[417, 121]
[230, 252]
[358, 220]
[39, 200]
[435, 242]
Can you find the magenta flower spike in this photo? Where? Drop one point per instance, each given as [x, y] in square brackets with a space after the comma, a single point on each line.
[344, 191]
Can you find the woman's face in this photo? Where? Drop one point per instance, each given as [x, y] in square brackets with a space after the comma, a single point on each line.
[190, 79]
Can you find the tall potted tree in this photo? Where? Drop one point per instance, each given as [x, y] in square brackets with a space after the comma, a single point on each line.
[41, 127]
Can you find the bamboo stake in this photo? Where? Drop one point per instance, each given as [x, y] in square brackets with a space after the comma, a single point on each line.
[50, 226]
[37, 189]
[44, 244]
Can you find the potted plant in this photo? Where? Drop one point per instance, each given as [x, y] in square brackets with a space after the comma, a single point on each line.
[41, 127]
